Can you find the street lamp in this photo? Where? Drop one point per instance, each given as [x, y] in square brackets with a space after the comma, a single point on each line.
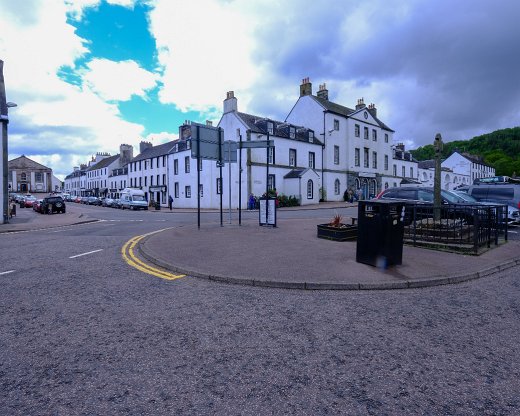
[4, 119]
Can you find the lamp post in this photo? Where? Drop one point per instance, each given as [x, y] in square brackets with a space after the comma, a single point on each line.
[4, 119]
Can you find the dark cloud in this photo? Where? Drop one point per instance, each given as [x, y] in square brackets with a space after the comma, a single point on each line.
[445, 66]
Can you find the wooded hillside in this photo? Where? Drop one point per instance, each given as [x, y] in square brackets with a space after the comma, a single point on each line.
[500, 149]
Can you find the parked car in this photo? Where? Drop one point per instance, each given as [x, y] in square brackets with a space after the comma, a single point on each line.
[93, 200]
[513, 214]
[28, 201]
[77, 199]
[116, 203]
[37, 206]
[504, 192]
[84, 199]
[107, 202]
[53, 204]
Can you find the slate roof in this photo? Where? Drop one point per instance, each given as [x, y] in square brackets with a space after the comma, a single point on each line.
[159, 150]
[426, 164]
[103, 163]
[297, 173]
[345, 111]
[474, 159]
[281, 129]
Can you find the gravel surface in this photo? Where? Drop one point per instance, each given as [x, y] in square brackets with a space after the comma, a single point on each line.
[93, 336]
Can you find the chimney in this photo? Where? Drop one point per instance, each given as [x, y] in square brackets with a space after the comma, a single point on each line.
[126, 154]
[209, 123]
[306, 87]
[144, 145]
[230, 103]
[323, 92]
[372, 110]
[360, 104]
[400, 146]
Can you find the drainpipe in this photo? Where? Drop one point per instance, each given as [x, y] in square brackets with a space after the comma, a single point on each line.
[322, 156]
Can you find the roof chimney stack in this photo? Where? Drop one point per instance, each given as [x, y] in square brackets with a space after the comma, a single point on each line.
[372, 110]
[305, 87]
[230, 103]
[323, 92]
[360, 104]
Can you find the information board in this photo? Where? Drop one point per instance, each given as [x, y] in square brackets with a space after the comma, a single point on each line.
[267, 211]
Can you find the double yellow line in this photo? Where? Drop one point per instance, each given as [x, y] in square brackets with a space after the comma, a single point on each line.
[127, 251]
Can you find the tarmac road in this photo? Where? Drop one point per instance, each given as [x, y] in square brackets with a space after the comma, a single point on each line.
[92, 335]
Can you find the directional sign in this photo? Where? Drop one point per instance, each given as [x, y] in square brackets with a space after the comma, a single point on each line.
[229, 151]
[208, 150]
[257, 144]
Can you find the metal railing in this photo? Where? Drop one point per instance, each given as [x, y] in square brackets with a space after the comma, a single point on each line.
[461, 227]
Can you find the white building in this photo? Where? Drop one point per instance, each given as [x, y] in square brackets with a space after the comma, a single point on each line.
[294, 162]
[468, 165]
[449, 179]
[149, 171]
[357, 146]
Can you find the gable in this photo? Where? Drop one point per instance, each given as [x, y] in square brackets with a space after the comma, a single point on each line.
[23, 162]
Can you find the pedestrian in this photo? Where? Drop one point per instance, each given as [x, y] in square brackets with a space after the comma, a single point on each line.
[170, 202]
[251, 202]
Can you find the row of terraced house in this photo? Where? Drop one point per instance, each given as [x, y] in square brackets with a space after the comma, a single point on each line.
[321, 150]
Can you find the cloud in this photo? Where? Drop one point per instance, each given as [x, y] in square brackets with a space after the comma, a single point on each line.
[204, 48]
[118, 80]
[61, 121]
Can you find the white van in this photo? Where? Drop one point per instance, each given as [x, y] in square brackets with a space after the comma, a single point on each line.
[133, 199]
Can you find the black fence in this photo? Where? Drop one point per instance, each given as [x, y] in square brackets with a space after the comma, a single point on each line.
[459, 227]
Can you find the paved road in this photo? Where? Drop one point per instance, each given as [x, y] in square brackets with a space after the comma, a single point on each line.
[92, 335]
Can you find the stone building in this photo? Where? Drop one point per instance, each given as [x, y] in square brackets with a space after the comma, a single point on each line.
[25, 176]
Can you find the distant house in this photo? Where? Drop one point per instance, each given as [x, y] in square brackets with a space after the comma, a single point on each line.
[25, 175]
[469, 165]
[449, 179]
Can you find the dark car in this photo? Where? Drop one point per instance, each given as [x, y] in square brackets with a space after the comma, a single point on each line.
[505, 193]
[53, 204]
[417, 194]
[93, 200]
[37, 206]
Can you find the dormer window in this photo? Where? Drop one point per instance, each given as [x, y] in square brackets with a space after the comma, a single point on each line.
[270, 128]
[292, 132]
[311, 137]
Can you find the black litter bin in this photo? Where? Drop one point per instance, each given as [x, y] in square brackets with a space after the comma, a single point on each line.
[157, 206]
[380, 233]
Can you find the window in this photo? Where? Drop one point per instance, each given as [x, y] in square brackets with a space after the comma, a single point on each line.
[38, 177]
[151, 180]
[292, 132]
[146, 181]
[365, 157]
[395, 170]
[164, 161]
[23, 176]
[151, 164]
[336, 124]
[311, 136]
[271, 182]
[365, 133]
[219, 187]
[158, 177]
[175, 166]
[140, 182]
[187, 164]
[292, 157]
[374, 160]
[187, 191]
[386, 138]
[356, 156]
[374, 135]
[336, 187]
[404, 172]
[356, 130]
[386, 185]
[270, 128]
[271, 155]
[386, 162]
[201, 190]
[311, 159]
[310, 189]
[164, 179]
[336, 155]
[411, 172]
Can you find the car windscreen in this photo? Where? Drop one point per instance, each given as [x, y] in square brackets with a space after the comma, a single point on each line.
[138, 198]
[451, 198]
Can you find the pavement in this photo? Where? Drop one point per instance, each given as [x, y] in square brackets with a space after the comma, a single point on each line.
[289, 255]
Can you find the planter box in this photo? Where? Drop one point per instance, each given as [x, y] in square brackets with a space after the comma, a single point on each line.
[344, 233]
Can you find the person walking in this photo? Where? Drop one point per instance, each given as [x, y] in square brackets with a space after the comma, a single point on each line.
[170, 202]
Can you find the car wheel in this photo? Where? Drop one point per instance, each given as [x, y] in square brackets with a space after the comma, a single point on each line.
[131, 208]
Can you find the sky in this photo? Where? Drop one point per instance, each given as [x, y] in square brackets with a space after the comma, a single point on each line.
[89, 75]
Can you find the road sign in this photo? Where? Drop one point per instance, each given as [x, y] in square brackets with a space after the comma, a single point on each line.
[229, 151]
[257, 144]
[208, 150]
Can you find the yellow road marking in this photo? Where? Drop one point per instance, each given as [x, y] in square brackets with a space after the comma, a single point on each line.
[127, 251]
